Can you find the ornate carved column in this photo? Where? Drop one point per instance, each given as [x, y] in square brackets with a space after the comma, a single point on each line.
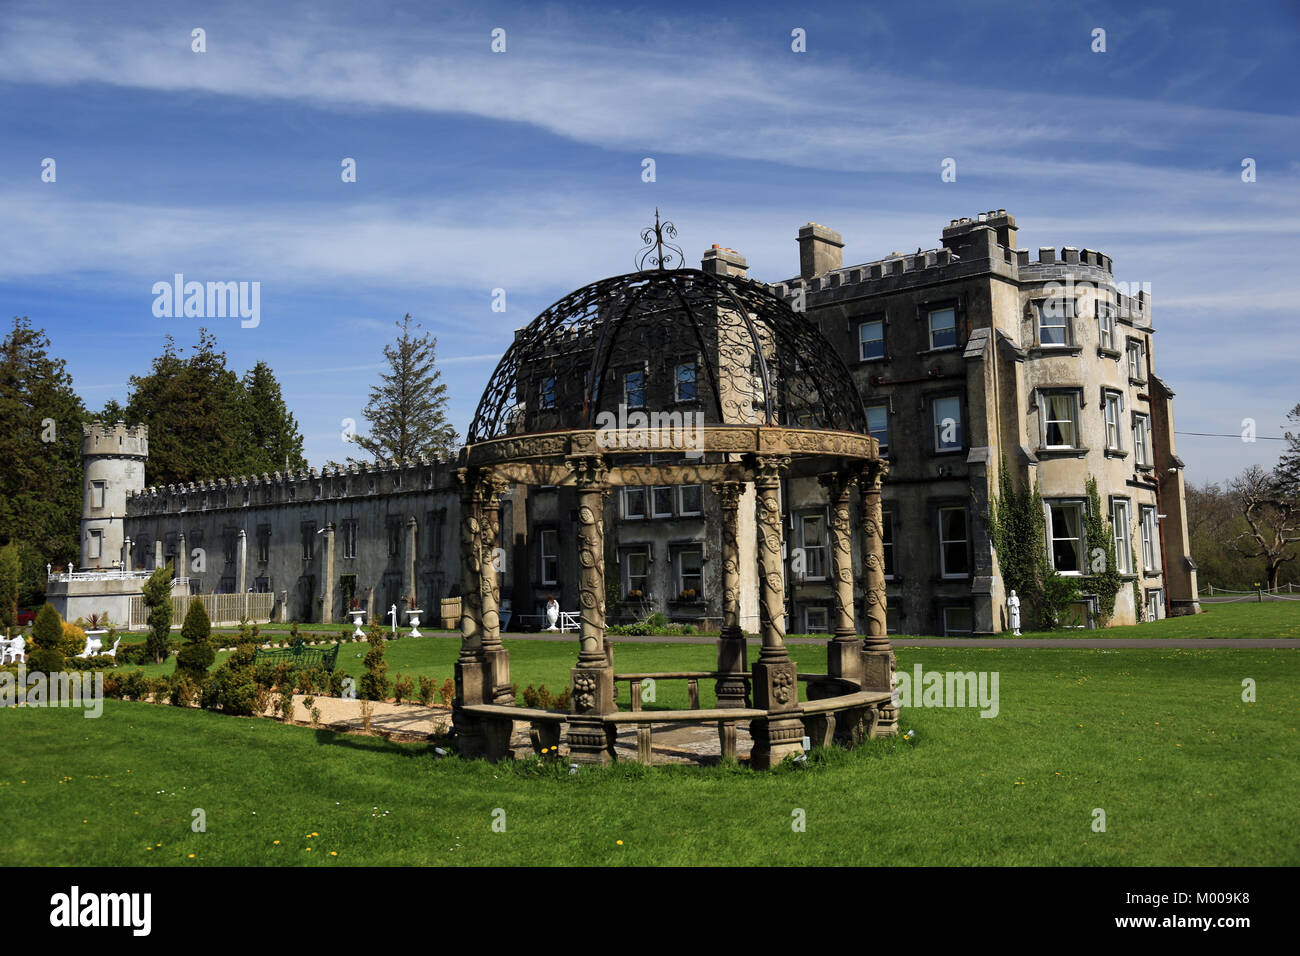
[473, 682]
[731, 687]
[495, 655]
[844, 650]
[776, 686]
[878, 663]
[592, 680]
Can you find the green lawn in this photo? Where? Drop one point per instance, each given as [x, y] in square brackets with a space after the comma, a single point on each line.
[1186, 773]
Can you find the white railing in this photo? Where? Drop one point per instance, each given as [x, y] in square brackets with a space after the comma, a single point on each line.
[66, 577]
[568, 621]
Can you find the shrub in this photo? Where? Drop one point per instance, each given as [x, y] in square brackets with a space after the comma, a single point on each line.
[374, 682]
[196, 654]
[402, 688]
[428, 689]
[158, 599]
[448, 691]
[232, 688]
[73, 640]
[47, 638]
[134, 686]
[185, 691]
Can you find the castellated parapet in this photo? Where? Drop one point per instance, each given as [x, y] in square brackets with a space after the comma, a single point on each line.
[295, 486]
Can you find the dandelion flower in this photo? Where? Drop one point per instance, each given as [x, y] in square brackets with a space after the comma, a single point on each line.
[191, 856]
[620, 842]
[334, 852]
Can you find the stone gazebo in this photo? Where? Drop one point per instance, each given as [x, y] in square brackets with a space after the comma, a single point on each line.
[591, 396]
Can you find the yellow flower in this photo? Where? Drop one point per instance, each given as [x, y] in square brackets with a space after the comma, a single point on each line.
[308, 849]
[334, 852]
[276, 842]
[620, 842]
[191, 856]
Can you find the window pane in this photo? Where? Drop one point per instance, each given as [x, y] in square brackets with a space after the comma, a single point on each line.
[663, 500]
[878, 424]
[686, 383]
[947, 424]
[943, 328]
[1067, 544]
[871, 340]
[1059, 411]
[690, 499]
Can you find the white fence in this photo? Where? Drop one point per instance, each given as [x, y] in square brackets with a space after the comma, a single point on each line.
[224, 610]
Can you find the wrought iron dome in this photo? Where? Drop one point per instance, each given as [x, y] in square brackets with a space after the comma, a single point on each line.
[664, 340]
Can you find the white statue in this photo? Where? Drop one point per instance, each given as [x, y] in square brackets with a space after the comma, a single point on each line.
[552, 613]
[93, 646]
[1013, 606]
[15, 651]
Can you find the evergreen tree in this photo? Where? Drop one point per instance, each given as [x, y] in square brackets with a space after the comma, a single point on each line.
[194, 409]
[197, 655]
[40, 448]
[407, 410]
[1288, 467]
[11, 570]
[158, 599]
[374, 682]
[47, 634]
[270, 434]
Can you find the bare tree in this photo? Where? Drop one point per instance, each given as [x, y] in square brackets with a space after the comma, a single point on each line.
[1273, 514]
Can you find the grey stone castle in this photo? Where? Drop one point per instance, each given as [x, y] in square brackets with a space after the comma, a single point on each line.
[966, 356]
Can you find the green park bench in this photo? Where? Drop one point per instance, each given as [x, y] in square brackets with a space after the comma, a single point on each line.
[299, 654]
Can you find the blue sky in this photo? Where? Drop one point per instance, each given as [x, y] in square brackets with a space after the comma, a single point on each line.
[522, 170]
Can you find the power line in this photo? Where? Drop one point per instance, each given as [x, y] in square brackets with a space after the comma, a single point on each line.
[1238, 437]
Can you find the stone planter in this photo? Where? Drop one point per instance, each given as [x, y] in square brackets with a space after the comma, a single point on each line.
[357, 618]
[413, 618]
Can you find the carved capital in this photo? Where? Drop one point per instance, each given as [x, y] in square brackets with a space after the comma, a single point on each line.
[590, 472]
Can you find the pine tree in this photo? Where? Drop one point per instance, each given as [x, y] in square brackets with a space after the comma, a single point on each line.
[407, 410]
[40, 456]
[1288, 467]
[270, 434]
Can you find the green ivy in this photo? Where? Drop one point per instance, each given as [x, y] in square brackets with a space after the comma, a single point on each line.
[1104, 578]
[1017, 526]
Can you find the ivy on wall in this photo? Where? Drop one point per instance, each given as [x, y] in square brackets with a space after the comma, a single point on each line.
[1104, 578]
[1017, 523]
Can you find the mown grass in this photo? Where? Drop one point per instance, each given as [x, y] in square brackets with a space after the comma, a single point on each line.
[1186, 772]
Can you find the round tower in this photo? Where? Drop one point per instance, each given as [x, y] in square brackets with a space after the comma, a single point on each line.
[112, 459]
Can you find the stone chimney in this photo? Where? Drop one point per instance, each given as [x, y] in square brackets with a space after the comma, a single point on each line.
[820, 250]
[977, 237]
[723, 261]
